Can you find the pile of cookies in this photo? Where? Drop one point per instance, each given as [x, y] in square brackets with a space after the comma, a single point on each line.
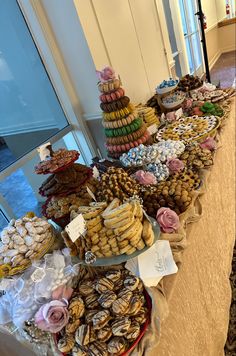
[189, 82]
[56, 161]
[189, 176]
[214, 96]
[174, 194]
[124, 128]
[148, 115]
[113, 230]
[195, 157]
[70, 179]
[23, 239]
[188, 129]
[116, 183]
[106, 315]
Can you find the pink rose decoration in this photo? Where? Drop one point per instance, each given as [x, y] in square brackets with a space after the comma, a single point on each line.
[175, 165]
[170, 116]
[52, 316]
[145, 178]
[62, 292]
[168, 220]
[107, 73]
[209, 144]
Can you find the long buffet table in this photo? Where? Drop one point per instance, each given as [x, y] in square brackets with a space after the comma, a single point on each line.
[191, 308]
[194, 304]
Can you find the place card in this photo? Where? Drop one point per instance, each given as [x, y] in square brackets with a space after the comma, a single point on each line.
[91, 194]
[43, 151]
[76, 228]
[152, 129]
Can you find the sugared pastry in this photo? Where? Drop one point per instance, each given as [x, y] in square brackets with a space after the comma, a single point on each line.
[133, 332]
[101, 319]
[91, 301]
[131, 282]
[89, 315]
[97, 348]
[86, 288]
[82, 335]
[117, 345]
[120, 326]
[135, 305]
[107, 298]
[79, 350]
[114, 276]
[105, 333]
[120, 306]
[66, 343]
[104, 284]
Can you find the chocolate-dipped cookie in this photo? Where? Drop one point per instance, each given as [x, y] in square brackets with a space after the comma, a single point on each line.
[107, 298]
[120, 326]
[120, 306]
[82, 335]
[117, 345]
[104, 284]
[97, 348]
[86, 288]
[104, 334]
[133, 332]
[114, 276]
[101, 319]
[91, 301]
[135, 305]
[131, 282]
[66, 343]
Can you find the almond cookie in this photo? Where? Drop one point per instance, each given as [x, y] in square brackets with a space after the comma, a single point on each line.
[131, 250]
[112, 223]
[93, 222]
[93, 230]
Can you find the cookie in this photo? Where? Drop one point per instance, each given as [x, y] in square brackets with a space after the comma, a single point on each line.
[104, 284]
[82, 335]
[101, 319]
[104, 334]
[107, 298]
[120, 326]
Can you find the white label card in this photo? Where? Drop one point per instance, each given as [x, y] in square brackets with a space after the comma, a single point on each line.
[44, 151]
[91, 194]
[76, 228]
[152, 129]
[96, 173]
[178, 113]
[156, 263]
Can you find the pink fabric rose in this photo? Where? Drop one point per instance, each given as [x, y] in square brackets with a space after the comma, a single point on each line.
[52, 316]
[107, 73]
[145, 178]
[170, 116]
[209, 144]
[62, 292]
[168, 220]
[175, 165]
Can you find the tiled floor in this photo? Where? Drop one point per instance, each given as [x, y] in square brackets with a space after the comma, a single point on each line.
[224, 69]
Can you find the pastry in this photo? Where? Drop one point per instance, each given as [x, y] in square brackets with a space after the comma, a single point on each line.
[120, 326]
[117, 345]
[120, 306]
[66, 343]
[107, 298]
[86, 288]
[133, 332]
[97, 348]
[91, 301]
[104, 334]
[104, 284]
[131, 282]
[89, 315]
[101, 319]
[79, 350]
[82, 335]
[135, 305]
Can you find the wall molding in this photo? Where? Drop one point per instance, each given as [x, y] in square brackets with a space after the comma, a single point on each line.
[90, 117]
[211, 27]
[214, 59]
[228, 49]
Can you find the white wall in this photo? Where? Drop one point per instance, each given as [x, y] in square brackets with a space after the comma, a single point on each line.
[127, 35]
[220, 9]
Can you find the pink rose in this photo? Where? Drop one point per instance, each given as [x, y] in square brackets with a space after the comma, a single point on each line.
[175, 165]
[209, 144]
[106, 74]
[52, 316]
[168, 220]
[145, 178]
[62, 292]
[170, 116]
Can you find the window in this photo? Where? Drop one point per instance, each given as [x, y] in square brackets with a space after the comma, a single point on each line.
[31, 114]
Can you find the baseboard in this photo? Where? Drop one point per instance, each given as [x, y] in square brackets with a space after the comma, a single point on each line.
[228, 49]
[214, 59]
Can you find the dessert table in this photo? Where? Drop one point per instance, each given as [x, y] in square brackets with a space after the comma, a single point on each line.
[197, 299]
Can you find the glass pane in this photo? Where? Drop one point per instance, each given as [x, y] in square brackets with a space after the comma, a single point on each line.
[190, 58]
[196, 50]
[20, 189]
[190, 9]
[3, 221]
[183, 17]
[30, 110]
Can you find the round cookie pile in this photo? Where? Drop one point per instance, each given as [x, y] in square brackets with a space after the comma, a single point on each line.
[189, 82]
[188, 129]
[174, 194]
[195, 157]
[116, 183]
[124, 128]
[113, 230]
[106, 315]
[148, 115]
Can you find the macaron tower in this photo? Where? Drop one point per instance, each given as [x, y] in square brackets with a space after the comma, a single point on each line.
[124, 129]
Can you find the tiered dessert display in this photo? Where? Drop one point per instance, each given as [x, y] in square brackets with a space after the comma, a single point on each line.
[65, 302]
[124, 128]
[168, 97]
[66, 187]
